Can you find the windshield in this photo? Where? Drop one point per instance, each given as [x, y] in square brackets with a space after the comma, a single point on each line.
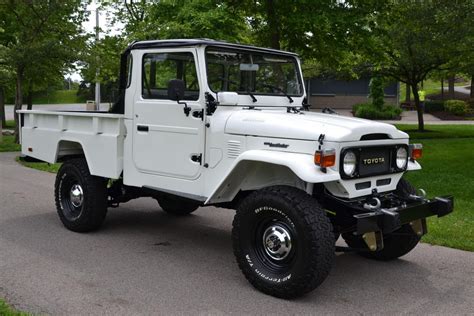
[252, 72]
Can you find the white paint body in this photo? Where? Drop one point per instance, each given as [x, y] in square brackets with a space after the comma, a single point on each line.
[234, 154]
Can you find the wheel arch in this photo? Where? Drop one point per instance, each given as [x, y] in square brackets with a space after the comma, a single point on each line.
[98, 164]
[258, 169]
[67, 149]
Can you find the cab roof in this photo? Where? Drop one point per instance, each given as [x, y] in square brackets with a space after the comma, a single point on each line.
[201, 42]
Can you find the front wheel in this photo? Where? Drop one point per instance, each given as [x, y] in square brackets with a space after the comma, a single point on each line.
[81, 198]
[283, 241]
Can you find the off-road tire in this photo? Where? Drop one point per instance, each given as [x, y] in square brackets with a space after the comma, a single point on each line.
[91, 213]
[396, 244]
[177, 206]
[312, 253]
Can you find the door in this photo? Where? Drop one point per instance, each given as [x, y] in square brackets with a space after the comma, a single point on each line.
[166, 141]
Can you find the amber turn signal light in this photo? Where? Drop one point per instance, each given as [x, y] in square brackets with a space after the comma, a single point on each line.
[416, 151]
[325, 158]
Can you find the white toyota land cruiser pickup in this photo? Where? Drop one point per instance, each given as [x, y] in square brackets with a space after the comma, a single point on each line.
[202, 122]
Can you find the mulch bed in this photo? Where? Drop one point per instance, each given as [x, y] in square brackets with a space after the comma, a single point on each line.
[446, 116]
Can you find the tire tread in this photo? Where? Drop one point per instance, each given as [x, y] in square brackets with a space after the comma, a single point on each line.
[317, 226]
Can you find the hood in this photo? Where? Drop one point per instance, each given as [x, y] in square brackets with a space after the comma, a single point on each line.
[306, 126]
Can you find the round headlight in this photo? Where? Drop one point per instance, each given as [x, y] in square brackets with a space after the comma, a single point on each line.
[349, 163]
[402, 158]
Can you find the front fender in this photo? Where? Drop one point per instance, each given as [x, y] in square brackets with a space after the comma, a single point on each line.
[301, 165]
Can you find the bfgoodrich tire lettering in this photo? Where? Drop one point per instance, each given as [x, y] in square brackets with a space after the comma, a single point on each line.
[300, 226]
[81, 199]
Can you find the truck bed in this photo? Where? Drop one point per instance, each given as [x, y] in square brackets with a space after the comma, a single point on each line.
[52, 135]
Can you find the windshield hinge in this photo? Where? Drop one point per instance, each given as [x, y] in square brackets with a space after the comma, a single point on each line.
[211, 104]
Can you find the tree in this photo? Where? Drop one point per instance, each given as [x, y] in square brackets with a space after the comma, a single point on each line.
[415, 38]
[146, 20]
[105, 55]
[326, 33]
[40, 37]
[6, 77]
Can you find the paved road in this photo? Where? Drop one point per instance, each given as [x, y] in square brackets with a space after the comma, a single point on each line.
[460, 89]
[145, 262]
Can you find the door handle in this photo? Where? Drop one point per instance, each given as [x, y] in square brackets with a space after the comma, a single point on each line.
[142, 128]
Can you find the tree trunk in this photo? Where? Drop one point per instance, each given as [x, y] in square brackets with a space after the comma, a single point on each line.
[29, 98]
[472, 87]
[419, 109]
[272, 20]
[408, 94]
[18, 100]
[451, 95]
[442, 89]
[2, 106]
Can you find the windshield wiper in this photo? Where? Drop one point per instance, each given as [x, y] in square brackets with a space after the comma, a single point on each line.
[247, 90]
[278, 89]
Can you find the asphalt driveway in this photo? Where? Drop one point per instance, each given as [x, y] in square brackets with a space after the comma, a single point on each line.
[146, 262]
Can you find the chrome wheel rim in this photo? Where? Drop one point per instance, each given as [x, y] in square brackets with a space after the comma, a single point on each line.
[277, 242]
[76, 195]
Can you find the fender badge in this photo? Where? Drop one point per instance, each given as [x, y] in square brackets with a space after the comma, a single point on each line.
[278, 145]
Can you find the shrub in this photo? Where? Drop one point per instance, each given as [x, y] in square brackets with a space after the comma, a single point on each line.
[376, 92]
[434, 106]
[470, 102]
[456, 107]
[368, 111]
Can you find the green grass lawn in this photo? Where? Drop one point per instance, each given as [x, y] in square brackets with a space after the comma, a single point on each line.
[43, 166]
[438, 131]
[430, 86]
[448, 169]
[8, 144]
[9, 124]
[58, 97]
[6, 310]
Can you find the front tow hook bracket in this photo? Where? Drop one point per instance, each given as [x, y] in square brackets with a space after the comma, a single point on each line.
[373, 240]
[419, 227]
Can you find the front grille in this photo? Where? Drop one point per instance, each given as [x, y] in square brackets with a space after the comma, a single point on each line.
[372, 160]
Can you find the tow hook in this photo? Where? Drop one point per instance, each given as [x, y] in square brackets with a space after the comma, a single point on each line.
[372, 207]
[419, 197]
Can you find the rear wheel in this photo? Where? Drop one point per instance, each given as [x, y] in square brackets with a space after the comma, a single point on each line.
[397, 243]
[81, 198]
[176, 205]
[283, 241]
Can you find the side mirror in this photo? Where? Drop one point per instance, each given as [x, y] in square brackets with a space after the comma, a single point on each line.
[228, 98]
[176, 93]
[176, 89]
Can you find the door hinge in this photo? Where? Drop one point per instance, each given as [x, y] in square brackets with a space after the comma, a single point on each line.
[197, 158]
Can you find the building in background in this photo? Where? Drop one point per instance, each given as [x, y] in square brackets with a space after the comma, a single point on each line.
[343, 94]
